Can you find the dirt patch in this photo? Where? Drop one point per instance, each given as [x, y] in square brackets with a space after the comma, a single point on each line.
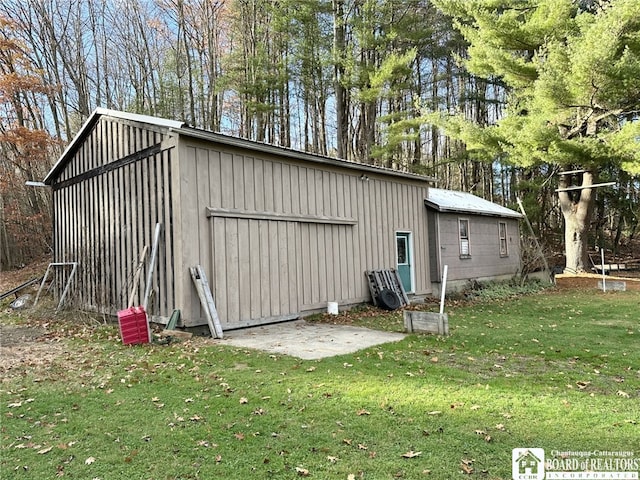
[591, 281]
[26, 347]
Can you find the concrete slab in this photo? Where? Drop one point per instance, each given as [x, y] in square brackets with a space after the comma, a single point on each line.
[308, 341]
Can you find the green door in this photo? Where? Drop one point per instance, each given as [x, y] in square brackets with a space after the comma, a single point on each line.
[403, 251]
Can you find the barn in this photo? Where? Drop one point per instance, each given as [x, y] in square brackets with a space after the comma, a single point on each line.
[477, 239]
[279, 233]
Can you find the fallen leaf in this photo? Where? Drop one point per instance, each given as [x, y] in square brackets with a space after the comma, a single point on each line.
[475, 407]
[582, 385]
[89, 460]
[332, 459]
[303, 472]
[435, 412]
[480, 432]
[239, 435]
[244, 400]
[434, 359]
[411, 454]
[500, 426]
[362, 446]
[45, 450]
[351, 476]
[363, 412]
[622, 394]
[466, 466]
[347, 441]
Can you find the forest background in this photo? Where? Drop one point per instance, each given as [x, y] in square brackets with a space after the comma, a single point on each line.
[345, 78]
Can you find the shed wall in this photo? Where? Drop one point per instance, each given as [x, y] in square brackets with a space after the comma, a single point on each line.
[106, 202]
[278, 236]
[485, 260]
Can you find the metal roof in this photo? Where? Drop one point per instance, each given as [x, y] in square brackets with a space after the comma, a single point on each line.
[461, 202]
[181, 128]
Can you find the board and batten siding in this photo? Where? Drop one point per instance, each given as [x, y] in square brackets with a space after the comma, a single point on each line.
[484, 260]
[107, 200]
[279, 236]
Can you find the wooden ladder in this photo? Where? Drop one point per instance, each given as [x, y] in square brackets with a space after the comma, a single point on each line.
[206, 300]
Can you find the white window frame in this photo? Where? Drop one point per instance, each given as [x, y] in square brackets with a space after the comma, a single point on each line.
[503, 240]
[464, 242]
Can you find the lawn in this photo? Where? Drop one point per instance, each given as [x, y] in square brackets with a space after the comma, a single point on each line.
[552, 370]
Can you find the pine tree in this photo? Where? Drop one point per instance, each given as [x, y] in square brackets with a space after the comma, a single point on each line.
[572, 70]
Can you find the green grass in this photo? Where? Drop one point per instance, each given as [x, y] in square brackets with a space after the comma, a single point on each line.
[559, 371]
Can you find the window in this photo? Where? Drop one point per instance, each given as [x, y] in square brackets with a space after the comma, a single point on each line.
[401, 241]
[502, 233]
[463, 225]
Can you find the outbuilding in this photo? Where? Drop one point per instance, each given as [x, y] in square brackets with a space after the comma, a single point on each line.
[279, 233]
[477, 239]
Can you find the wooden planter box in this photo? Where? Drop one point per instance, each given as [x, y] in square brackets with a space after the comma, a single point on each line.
[426, 322]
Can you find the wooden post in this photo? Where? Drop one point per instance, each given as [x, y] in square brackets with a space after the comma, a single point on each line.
[136, 277]
[444, 288]
[206, 300]
[152, 263]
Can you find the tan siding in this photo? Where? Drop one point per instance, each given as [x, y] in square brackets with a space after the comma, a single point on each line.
[203, 195]
[258, 268]
[254, 286]
[215, 179]
[233, 274]
[243, 293]
[226, 174]
[263, 272]
[485, 260]
[218, 271]
[292, 268]
[286, 188]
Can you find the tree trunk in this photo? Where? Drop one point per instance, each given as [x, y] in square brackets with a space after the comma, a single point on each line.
[339, 43]
[577, 208]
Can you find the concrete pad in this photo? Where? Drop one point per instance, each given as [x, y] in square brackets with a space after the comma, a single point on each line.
[308, 341]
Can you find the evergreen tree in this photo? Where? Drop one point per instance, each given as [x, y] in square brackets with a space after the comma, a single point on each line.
[572, 70]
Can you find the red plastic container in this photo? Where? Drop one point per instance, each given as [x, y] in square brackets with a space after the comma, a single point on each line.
[134, 327]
